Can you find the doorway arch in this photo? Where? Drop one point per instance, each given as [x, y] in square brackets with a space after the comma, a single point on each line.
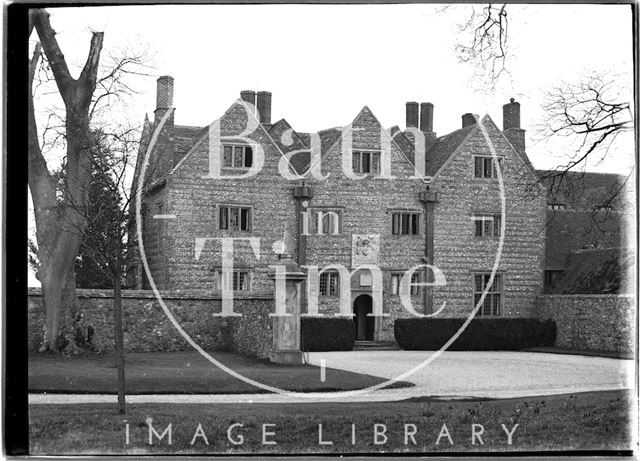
[364, 324]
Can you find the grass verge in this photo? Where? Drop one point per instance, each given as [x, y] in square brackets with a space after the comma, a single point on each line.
[587, 421]
[183, 373]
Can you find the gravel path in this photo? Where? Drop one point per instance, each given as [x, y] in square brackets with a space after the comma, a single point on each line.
[451, 375]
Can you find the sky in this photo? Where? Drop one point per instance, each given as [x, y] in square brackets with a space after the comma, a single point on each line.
[323, 63]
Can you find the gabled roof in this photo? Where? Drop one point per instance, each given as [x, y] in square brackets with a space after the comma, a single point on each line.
[331, 137]
[184, 137]
[203, 133]
[444, 147]
[299, 161]
[403, 143]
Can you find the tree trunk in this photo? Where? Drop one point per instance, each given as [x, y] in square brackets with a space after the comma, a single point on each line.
[117, 321]
[59, 225]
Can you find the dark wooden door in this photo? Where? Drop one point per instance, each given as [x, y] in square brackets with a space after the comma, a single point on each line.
[364, 324]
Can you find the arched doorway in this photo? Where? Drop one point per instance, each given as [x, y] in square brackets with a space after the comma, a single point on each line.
[363, 323]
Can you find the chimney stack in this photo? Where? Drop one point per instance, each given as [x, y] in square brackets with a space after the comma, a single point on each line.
[426, 117]
[164, 96]
[412, 115]
[264, 107]
[248, 96]
[511, 125]
[511, 115]
[468, 119]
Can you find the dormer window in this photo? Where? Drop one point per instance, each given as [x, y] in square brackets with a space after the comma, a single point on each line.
[237, 156]
[366, 162]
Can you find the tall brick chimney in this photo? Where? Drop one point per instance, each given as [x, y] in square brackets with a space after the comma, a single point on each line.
[468, 119]
[264, 107]
[164, 96]
[511, 125]
[248, 96]
[511, 115]
[426, 117]
[412, 115]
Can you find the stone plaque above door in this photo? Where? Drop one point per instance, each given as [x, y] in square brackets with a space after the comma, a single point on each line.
[365, 249]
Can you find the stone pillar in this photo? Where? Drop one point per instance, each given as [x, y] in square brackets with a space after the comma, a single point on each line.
[302, 194]
[429, 198]
[285, 348]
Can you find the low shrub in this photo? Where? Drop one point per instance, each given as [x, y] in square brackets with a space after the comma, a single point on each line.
[319, 334]
[480, 334]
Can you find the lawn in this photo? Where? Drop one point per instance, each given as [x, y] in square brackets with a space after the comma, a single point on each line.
[182, 373]
[587, 421]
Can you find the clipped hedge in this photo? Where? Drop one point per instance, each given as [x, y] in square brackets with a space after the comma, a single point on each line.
[480, 334]
[319, 334]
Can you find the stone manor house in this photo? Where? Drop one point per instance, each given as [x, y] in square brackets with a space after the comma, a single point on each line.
[444, 212]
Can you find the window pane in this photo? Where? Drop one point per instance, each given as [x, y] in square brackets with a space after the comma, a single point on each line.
[395, 227]
[478, 283]
[488, 227]
[224, 217]
[497, 224]
[226, 279]
[355, 159]
[238, 157]
[487, 168]
[234, 218]
[415, 278]
[486, 306]
[496, 304]
[248, 157]
[485, 284]
[497, 283]
[375, 163]
[405, 223]
[476, 300]
[228, 155]
[323, 283]
[414, 224]
[366, 162]
[395, 284]
[333, 283]
[327, 223]
[478, 167]
[244, 219]
[478, 223]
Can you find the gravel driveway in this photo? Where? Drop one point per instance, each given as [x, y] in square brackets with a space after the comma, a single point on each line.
[451, 375]
[487, 374]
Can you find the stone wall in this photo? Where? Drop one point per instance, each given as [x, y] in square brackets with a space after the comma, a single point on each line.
[147, 328]
[591, 322]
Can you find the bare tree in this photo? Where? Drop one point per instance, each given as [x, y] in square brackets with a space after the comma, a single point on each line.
[105, 231]
[591, 111]
[483, 40]
[58, 216]
[588, 115]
